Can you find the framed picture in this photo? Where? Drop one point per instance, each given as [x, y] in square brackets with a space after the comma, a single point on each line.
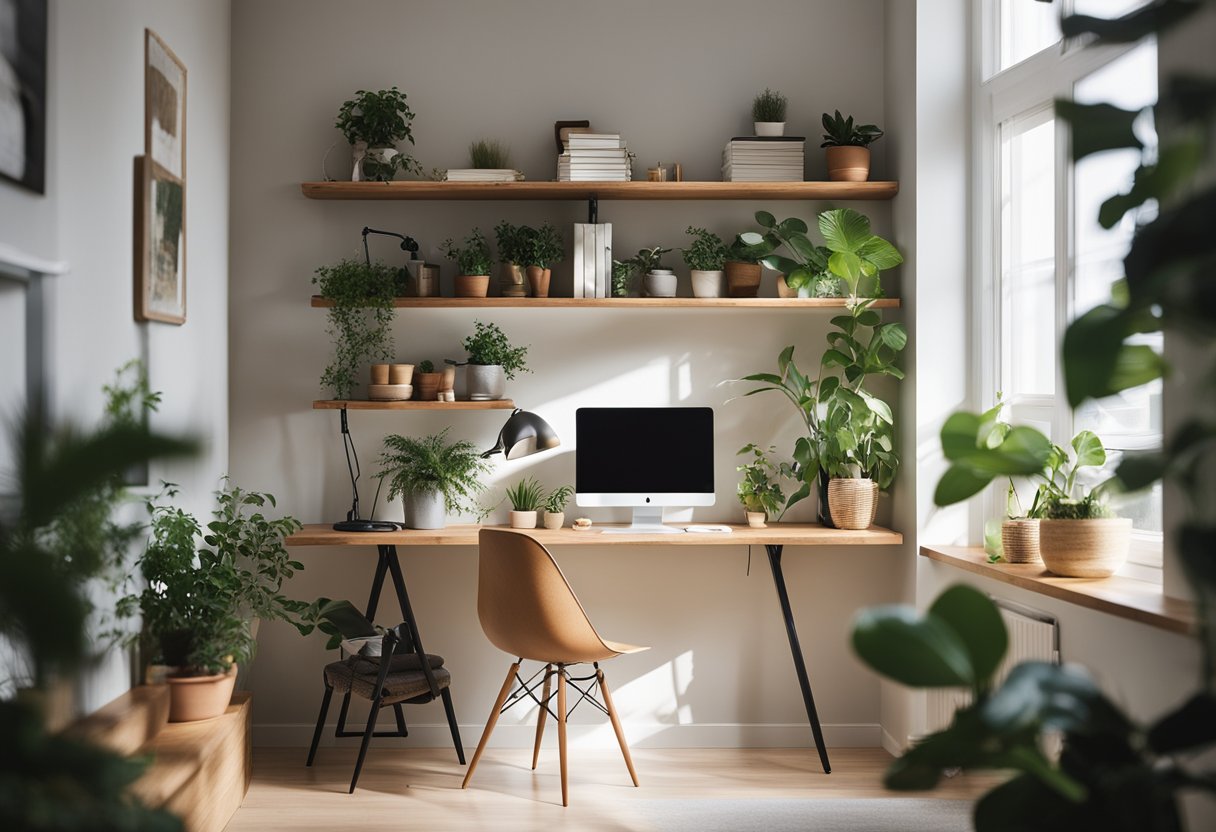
[23, 93]
[160, 189]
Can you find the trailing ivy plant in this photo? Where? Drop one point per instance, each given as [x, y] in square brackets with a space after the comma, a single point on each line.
[360, 316]
[489, 345]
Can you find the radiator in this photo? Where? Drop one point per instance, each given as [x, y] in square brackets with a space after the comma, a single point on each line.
[1033, 636]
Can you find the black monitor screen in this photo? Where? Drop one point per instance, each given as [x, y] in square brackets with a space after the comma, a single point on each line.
[649, 450]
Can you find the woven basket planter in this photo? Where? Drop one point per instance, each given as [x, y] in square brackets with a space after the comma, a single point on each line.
[1020, 541]
[1084, 548]
[852, 502]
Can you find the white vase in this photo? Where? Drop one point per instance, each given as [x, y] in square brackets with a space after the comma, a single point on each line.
[523, 519]
[660, 283]
[485, 382]
[769, 128]
[757, 519]
[707, 284]
[554, 519]
[424, 510]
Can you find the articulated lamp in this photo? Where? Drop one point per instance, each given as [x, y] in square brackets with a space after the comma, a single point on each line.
[523, 434]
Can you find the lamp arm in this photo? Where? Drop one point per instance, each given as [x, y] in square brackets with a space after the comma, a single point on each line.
[407, 243]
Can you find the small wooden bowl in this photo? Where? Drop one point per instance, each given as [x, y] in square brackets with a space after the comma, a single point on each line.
[389, 392]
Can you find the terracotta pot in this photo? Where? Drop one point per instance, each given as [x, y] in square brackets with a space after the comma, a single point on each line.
[380, 374]
[426, 385]
[512, 281]
[1084, 548]
[742, 279]
[756, 519]
[852, 502]
[554, 519]
[449, 379]
[485, 382]
[192, 698]
[523, 519]
[848, 164]
[538, 279]
[472, 285]
[1020, 541]
[400, 373]
[707, 284]
[768, 128]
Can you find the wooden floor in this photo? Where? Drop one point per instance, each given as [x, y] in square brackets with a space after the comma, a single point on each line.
[420, 788]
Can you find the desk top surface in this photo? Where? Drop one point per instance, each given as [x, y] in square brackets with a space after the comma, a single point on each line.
[776, 534]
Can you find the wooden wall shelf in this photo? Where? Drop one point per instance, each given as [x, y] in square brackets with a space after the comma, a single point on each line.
[621, 303]
[599, 190]
[364, 404]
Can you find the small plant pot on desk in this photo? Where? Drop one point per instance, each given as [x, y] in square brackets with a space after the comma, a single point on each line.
[192, 698]
[523, 519]
[1084, 548]
[1020, 541]
[472, 285]
[554, 519]
[485, 382]
[852, 502]
[742, 279]
[757, 519]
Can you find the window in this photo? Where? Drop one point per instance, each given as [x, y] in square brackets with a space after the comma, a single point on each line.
[1049, 257]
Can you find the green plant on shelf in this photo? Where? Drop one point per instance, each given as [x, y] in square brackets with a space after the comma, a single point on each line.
[489, 345]
[426, 366]
[707, 252]
[769, 106]
[624, 272]
[381, 119]
[360, 319]
[806, 270]
[842, 132]
[760, 489]
[556, 500]
[512, 242]
[432, 464]
[489, 154]
[526, 495]
[473, 256]
[543, 246]
[857, 254]
[649, 259]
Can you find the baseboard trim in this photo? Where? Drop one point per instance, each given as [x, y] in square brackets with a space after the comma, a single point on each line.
[892, 745]
[656, 735]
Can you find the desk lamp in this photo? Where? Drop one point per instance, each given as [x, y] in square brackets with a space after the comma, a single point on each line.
[523, 434]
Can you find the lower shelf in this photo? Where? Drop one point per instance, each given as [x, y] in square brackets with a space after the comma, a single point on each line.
[364, 404]
[622, 303]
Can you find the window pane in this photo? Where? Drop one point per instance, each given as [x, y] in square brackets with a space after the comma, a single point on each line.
[1028, 254]
[1027, 28]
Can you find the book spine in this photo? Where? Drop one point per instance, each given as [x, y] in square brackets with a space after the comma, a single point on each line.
[603, 275]
[579, 231]
[589, 261]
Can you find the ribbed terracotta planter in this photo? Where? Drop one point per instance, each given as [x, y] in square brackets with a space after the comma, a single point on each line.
[538, 279]
[427, 385]
[1020, 541]
[852, 502]
[192, 698]
[848, 164]
[742, 279]
[472, 285]
[1084, 548]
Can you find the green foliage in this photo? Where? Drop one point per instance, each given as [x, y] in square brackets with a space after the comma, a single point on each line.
[649, 259]
[432, 464]
[760, 488]
[489, 345]
[489, 154]
[512, 242]
[842, 132]
[742, 252]
[426, 366]
[807, 269]
[769, 106]
[526, 495]
[381, 119]
[359, 319]
[543, 246]
[472, 258]
[556, 500]
[855, 251]
[1089, 507]
[624, 272]
[707, 252]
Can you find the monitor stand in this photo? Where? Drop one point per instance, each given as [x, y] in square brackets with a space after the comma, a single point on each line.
[646, 520]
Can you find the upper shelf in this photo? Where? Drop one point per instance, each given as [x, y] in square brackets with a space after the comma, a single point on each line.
[599, 190]
[622, 303]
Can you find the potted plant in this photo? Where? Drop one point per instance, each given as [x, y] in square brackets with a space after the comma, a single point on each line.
[543, 249]
[805, 274]
[433, 477]
[360, 319]
[492, 362]
[704, 259]
[742, 268]
[657, 281]
[555, 506]
[760, 489]
[512, 250]
[473, 261]
[373, 123]
[848, 148]
[427, 381]
[489, 154]
[623, 273]
[857, 254]
[768, 113]
[526, 498]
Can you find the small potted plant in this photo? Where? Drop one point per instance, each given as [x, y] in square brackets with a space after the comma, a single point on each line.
[427, 381]
[512, 251]
[742, 268]
[526, 498]
[544, 248]
[768, 113]
[657, 281]
[433, 477]
[760, 489]
[805, 274]
[360, 319]
[848, 148]
[473, 261]
[493, 361]
[623, 273]
[555, 506]
[704, 259]
[489, 154]
[373, 123]
[1020, 530]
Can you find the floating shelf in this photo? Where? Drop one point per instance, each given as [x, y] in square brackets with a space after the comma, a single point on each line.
[599, 190]
[622, 303]
[363, 404]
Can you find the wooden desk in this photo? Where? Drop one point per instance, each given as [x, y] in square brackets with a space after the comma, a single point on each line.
[774, 539]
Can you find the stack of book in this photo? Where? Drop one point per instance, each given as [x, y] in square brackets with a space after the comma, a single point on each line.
[592, 259]
[763, 159]
[594, 157]
[483, 175]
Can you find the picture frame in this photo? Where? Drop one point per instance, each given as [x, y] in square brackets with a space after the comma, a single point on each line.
[23, 105]
[160, 189]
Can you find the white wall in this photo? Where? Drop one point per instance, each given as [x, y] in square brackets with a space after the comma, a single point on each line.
[676, 79]
[96, 117]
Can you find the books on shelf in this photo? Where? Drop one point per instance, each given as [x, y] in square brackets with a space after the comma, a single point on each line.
[592, 259]
[763, 159]
[483, 175]
[594, 157]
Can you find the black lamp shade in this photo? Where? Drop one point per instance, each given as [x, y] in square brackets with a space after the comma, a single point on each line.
[524, 434]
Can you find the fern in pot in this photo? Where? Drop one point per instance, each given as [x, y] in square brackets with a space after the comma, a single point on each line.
[555, 506]
[493, 361]
[433, 477]
[526, 498]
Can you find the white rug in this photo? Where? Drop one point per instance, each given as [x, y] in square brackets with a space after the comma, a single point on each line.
[897, 814]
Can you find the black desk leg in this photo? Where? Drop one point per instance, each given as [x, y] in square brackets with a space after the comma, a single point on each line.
[774, 562]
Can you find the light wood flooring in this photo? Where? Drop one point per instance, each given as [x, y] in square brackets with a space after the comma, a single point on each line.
[420, 788]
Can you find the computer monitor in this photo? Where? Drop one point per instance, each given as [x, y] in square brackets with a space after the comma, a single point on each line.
[645, 458]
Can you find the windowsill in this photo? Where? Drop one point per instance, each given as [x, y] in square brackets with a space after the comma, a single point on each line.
[1118, 595]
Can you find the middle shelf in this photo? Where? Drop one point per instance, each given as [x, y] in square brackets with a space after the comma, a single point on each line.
[622, 303]
[366, 404]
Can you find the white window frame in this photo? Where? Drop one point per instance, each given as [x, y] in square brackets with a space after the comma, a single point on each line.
[998, 97]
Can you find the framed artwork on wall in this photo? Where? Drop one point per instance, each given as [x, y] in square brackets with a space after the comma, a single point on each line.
[23, 93]
[160, 189]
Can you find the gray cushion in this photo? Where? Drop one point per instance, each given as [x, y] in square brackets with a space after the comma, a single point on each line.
[405, 678]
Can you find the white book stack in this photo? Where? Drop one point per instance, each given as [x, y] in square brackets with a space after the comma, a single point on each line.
[592, 259]
[594, 157]
[483, 175]
[763, 159]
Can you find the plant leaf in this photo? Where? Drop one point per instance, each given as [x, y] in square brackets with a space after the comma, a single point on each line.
[914, 651]
[978, 624]
[1099, 127]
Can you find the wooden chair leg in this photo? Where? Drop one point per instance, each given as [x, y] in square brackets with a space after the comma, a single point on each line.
[452, 726]
[616, 724]
[367, 738]
[561, 730]
[490, 723]
[316, 735]
[544, 712]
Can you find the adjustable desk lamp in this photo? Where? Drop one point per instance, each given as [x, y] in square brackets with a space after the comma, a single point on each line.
[523, 434]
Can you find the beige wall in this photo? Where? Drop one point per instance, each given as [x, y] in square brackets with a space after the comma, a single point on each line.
[676, 79]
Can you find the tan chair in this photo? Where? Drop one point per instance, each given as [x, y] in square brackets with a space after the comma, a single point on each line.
[528, 609]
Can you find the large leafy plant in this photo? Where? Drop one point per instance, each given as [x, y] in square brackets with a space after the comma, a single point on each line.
[856, 252]
[433, 465]
[360, 317]
[489, 345]
[806, 270]
[381, 119]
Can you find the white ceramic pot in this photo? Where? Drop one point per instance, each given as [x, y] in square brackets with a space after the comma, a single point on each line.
[523, 519]
[660, 283]
[378, 160]
[1084, 548]
[756, 519]
[769, 128]
[424, 510]
[554, 519]
[485, 382]
[707, 284]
